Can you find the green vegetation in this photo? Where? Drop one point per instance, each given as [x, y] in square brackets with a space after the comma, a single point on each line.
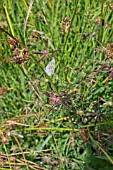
[63, 121]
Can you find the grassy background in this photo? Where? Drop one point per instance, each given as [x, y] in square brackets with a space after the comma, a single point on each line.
[64, 121]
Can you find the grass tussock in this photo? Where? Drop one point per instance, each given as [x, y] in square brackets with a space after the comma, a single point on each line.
[56, 84]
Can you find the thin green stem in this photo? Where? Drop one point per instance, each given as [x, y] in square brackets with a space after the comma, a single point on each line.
[7, 156]
[98, 145]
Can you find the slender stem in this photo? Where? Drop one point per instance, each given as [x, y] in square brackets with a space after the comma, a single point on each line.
[7, 156]
[69, 30]
[102, 20]
[8, 19]
[97, 144]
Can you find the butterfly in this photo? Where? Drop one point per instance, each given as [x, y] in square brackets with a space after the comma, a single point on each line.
[49, 69]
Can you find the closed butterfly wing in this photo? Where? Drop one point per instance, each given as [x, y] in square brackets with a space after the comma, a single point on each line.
[50, 68]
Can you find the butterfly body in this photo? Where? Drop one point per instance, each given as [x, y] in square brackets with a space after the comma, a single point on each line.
[50, 68]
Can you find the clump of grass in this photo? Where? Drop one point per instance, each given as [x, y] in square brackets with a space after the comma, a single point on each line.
[63, 121]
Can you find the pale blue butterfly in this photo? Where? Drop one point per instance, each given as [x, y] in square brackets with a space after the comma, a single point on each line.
[50, 68]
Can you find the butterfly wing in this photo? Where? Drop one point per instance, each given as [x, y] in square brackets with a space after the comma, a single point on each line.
[50, 67]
